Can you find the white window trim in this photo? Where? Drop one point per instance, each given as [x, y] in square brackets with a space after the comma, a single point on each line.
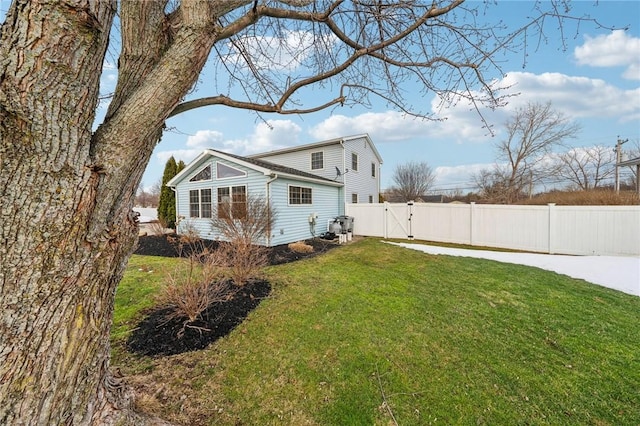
[357, 169]
[311, 160]
[231, 177]
[301, 204]
[230, 188]
[200, 170]
[200, 203]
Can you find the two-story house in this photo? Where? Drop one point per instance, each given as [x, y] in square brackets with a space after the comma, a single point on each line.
[352, 160]
[307, 186]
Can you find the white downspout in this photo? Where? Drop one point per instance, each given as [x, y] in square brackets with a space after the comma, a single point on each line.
[343, 209]
[274, 176]
[175, 196]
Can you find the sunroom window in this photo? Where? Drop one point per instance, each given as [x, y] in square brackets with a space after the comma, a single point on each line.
[200, 203]
[232, 202]
[224, 172]
[204, 174]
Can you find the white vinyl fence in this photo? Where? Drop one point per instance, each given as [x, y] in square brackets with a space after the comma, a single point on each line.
[577, 230]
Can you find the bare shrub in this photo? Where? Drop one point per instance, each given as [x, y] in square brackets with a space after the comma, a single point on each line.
[244, 222]
[300, 247]
[239, 262]
[195, 284]
[155, 228]
[190, 244]
[191, 289]
[247, 218]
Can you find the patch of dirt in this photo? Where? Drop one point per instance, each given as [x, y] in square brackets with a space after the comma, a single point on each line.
[155, 335]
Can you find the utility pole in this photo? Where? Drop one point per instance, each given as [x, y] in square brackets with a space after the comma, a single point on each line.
[618, 161]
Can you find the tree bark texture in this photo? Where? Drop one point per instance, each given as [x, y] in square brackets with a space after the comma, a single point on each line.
[66, 225]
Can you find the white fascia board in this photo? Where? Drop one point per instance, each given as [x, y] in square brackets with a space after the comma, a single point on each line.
[298, 148]
[252, 166]
[308, 179]
[173, 182]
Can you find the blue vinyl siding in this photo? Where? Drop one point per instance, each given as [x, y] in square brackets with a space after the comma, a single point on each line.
[254, 181]
[292, 221]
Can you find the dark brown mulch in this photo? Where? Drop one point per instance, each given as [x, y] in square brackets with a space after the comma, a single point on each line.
[157, 336]
[168, 246]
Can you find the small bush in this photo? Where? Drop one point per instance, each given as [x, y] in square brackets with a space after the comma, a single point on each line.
[187, 300]
[189, 244]
[243, 224]
[194, 285]
[187, 294]
[156, 228]
[300, 247]
[239, 261]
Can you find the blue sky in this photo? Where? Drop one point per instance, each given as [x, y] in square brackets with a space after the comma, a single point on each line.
[594, 79]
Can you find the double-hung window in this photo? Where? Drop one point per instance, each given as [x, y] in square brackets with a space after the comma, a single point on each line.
[200, 203]
[300, 195]
[373, 169]
[354, 161]
[317, 160]
[232, 202]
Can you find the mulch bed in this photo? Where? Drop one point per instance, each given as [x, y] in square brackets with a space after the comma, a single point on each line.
[168, 246]
[155, 335]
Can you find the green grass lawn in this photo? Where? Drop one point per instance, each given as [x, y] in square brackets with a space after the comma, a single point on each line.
[375, 334]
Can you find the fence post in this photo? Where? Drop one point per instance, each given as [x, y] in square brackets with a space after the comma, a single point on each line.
[410, 204]
[385, 219]
[471, 210]
[552, 226]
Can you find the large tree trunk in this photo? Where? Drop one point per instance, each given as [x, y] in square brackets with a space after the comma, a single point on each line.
[66, 225]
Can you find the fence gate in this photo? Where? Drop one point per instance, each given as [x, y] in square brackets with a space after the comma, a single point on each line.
[398, 220]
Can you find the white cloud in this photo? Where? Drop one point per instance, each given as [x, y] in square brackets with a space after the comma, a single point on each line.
[611, 50]
[272, 135]
[382, 127]
[458, 177]
[266, 136]
[205, 139]
[576, 97]
[185, 155]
